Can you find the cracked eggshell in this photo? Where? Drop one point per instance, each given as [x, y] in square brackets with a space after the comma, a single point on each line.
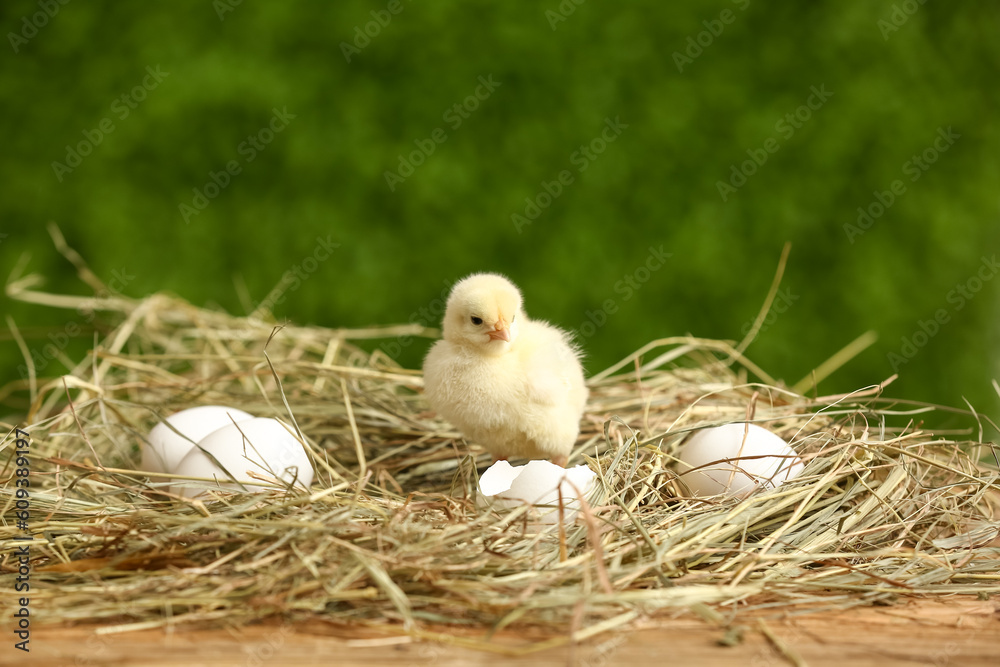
[537, 483]
[165, 449]
[498, 478]
[742, 476]
[262, 446]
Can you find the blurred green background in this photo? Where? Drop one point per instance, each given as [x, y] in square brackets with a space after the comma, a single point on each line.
[692, 89]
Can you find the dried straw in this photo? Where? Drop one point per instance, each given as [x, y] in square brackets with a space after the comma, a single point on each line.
[390, 538]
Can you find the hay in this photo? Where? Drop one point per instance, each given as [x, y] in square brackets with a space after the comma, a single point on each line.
[390, 537]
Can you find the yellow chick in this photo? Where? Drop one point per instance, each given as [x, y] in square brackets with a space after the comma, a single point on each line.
[512, 384]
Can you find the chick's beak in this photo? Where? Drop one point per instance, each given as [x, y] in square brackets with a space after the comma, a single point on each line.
[500, 332]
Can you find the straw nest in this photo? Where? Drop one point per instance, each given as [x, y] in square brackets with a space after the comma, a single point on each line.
[390, 536]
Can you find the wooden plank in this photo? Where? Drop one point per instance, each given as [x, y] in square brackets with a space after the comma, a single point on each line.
[956, 633]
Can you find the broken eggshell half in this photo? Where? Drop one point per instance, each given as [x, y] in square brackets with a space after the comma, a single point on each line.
[538, 483]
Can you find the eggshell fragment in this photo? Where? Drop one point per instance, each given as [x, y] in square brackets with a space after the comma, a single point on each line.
[734, 465]
[537, 483]
[498, 478]
[166, 448]
[262, 446]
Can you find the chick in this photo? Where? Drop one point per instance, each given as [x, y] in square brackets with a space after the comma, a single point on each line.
[512, 384]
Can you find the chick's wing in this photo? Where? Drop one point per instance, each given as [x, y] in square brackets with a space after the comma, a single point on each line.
[549, 364]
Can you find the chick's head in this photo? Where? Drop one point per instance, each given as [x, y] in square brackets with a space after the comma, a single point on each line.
[483, 313]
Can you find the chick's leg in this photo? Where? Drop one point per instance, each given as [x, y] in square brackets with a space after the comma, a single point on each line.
[560, 460]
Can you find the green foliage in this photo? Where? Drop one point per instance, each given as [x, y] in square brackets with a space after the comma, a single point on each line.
[656, 184]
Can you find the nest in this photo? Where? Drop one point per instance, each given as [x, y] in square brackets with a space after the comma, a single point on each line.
[391, 539]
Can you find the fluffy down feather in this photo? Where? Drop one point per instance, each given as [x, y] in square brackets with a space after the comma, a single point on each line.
[509, 383]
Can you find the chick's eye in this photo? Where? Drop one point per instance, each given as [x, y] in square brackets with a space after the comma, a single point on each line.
[477, 320]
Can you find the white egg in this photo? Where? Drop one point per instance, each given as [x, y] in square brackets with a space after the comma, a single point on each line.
[165, 448]
[720, 461]
[262, 446]
[537, 483]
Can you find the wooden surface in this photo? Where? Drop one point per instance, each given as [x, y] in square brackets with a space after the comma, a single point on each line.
[956, 633]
